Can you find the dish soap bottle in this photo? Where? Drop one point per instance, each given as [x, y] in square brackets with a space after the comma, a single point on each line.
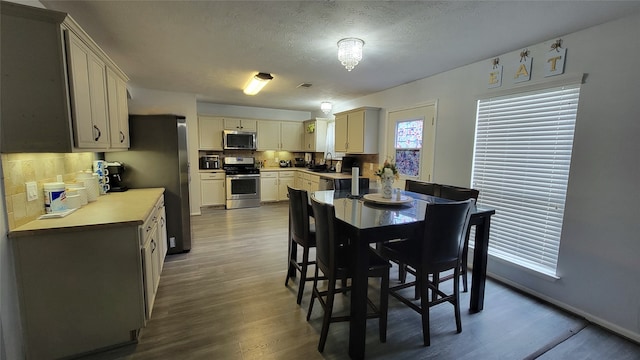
[339, 167]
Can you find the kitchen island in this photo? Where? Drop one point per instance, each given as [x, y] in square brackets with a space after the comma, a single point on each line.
[87, 281]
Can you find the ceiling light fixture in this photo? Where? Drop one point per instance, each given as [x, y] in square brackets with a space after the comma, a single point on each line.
[350, 52]
[326, 107]
[256, 83]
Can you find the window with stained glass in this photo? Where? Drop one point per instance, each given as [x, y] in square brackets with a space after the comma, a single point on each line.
[408, 143]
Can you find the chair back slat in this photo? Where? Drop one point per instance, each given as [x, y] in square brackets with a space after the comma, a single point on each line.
[445, 229]
[324, 215]
[422, 187]
[299, 213]
[458, 193]
[345, 184]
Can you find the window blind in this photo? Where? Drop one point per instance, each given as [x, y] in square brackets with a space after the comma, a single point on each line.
[521, 163]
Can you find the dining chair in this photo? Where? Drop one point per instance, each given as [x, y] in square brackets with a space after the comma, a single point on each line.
[437, 249]
[301, 233]
[332, 258]
[422, 187]
[345, 184]
[459, 194]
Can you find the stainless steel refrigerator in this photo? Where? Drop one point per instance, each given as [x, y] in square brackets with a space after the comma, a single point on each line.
[157, 157]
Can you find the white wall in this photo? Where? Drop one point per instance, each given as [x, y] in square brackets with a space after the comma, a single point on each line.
[153, 102]
[205, 108]
[10, 328]
[599, 261]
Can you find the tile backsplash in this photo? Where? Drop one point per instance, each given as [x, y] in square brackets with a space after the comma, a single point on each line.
[18, 169]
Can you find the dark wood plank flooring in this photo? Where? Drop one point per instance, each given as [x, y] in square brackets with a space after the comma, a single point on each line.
[226, 299]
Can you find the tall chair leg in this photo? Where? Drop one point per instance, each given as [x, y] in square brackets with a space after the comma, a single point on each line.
[402, 272]
[314, 291]
[436, 284]
[465, 257]
[327, 314]
[290, 267]
[384, 306]
[421, 282]
[456, 297]
[303, 275]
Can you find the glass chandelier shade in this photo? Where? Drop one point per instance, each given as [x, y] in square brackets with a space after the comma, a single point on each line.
[350, 52]
[326, 107]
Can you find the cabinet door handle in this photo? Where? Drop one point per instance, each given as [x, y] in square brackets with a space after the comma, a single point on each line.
[154, 245]
[121, 137]
[99, 132]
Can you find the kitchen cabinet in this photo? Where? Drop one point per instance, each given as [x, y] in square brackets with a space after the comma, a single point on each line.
[298, 180]
[212, 188]
[273, 185]
[268, 186]
[240, 124]
[153, 254]
[280, 135]
[98, 278]
[357, 131]
[285, 179]
[315, 141]
[308, 182]
[48, 60]
[118, 110]
[210, 132]
[89, 95]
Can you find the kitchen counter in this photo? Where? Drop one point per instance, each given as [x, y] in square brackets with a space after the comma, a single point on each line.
[87, 281]
[326, 175]
[113, 209]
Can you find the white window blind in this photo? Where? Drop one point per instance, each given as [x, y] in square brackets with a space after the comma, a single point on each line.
[521, 167]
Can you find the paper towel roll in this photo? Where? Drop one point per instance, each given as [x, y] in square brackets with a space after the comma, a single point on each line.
[355, 181]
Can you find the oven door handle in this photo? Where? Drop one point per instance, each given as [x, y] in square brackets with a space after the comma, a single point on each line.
[243, 176]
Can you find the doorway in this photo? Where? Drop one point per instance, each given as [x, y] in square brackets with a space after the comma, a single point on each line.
[411, 142]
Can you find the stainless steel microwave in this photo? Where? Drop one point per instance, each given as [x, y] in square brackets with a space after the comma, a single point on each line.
[239, 140]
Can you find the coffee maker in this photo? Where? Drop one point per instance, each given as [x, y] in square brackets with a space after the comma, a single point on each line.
[116, 171]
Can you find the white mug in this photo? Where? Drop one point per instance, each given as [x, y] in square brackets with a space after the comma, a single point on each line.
[106, 187]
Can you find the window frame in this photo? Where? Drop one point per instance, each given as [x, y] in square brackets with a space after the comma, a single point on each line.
[502, 235]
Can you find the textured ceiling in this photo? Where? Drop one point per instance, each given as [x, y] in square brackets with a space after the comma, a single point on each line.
[211, 48]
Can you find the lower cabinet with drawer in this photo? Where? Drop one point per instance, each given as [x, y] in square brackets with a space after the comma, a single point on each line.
[91, 285]
[153, 237]
[212, 191]
[273, 185]
[285, 178]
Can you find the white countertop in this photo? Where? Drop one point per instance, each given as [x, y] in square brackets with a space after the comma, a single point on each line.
[326, 175]
[130, 207]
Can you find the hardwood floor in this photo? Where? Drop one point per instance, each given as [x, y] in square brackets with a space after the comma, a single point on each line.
[226, 299]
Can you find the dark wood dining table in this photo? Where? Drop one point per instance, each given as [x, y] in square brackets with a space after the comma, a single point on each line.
[367, 222]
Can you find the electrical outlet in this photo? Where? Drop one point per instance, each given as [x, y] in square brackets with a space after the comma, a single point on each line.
[32, 191]
[172, 242]
[370, 166]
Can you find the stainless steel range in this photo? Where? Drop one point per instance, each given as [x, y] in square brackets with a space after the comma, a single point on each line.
[242, 182]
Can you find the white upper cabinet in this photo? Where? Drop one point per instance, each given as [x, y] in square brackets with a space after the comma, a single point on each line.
[240, 124]
[291, 135]
[55, 86]
[210, 132]
[118, 110]
[268, 135]
[88, 94]
[315, 135]
[280, 135]
[357, 131]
